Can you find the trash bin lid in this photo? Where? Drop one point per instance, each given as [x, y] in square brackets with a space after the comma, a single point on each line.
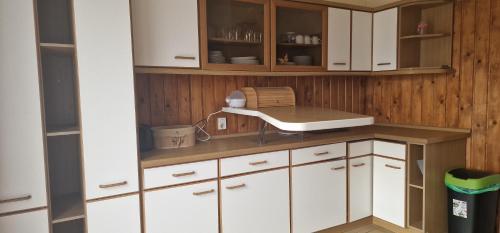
[472, 180]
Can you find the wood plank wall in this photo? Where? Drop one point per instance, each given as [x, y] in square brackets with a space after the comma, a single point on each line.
[469, 98]
[186, 99]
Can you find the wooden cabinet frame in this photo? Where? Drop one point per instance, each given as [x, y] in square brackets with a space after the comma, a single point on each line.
[203, 24]
[324, 35]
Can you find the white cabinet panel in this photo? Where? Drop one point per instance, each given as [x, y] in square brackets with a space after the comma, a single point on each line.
[339, 39]
[255, 162]
[385, 29]
[21, 136]
[318, 153]
[186, 209]
[360, 188]
[114, 215]
[166, 32]
[30, 222]
[319, 196]
[178, 174]
[360, 148]
[106, 78]
[256, 203]
[389, 190]
[390, 149]
[361, 59]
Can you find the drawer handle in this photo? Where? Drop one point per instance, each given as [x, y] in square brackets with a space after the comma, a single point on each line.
[393, 167]
[184, 174]
[384, 64]
[184, 58]
[105, 186]
[340, 63]
[236, 186]
[321, 153]
[358, 165]
[204, 192]
[16, 199]
[338, 168]
[258, 162]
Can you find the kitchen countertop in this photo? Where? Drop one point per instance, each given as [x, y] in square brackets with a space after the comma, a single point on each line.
[242, 145]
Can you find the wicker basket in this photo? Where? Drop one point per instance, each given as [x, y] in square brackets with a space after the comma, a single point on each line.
[175, 136]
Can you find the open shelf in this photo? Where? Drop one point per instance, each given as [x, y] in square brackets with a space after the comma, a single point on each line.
[416, 208]
[55, 21]
[67, 208]
[74, 226]
[62, 131]
[234, 42]
[424, 36]
[416, 155]
[63, 48]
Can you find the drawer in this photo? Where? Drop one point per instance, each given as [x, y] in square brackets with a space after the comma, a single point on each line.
[360, 148]
[390, 149]
[255, 162]
[318, 153]
[178, 174]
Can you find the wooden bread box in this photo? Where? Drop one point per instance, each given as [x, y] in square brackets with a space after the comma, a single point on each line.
[262, 97]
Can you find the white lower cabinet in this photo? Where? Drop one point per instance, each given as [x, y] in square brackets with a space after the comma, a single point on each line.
[114, 215]
[360, 188]
[30, 222]
[184, 209]
[389, 190]
[256, 203]
[319, 196]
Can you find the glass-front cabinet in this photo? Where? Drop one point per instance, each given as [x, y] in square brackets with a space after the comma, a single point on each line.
[235, 34]
[299, 36]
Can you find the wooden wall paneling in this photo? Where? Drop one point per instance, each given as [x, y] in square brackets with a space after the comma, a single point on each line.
[369, 94]
[349, 94]
[309, 91]
[416, 99]
[232, 123]
[318, 92]
[395, 92]
[493, 110]
[171, 104]
[480, 92]
[377, 100]
[208, 98]
[356, 89]
[439, 100]
[142, 95]
[453, 80]
[157, 101]
[196, 98]
[427, 100]
[467, 62]
[242, 120]
[386, 98]
[334, 95]
[406, 103]
[300, 91]
[326, 92]
[219, 100]
[184, 99]
[342, 93]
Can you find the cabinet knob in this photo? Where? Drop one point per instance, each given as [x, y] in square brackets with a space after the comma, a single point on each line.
[16, 199]
[393, 167]
[322, 153]
[358, 165]
[184, 174]
[203, 192]
[236, 186]
[105, 186]
[338, 168]
[258, 162]
[184, 58]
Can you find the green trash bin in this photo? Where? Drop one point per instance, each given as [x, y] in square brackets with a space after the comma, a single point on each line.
[472, 201]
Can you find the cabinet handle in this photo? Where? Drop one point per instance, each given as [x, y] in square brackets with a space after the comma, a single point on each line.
[204, 192]
[393, 167]
[236, 186]
[358, 165]
[340, 63]
[105, 186]
[184, 174]
[338, 168]
[184, 58]
[16, 199]
[258, 162]
[322, 153]
[384, 64]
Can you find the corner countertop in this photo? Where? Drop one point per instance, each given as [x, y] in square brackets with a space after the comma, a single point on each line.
[242, 145]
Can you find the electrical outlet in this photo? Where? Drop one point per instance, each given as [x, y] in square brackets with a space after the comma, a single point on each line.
[221, 123]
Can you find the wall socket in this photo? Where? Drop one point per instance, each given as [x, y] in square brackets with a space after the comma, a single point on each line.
[221, 123]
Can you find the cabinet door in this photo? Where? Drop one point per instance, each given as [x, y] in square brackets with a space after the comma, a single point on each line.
[165, 32]
[256, 203]
[360, 188]
[361, 59]
[389, 190]
[22, 179]
[106, 97]
[385, 29]
[30, 222]
[339, 39]
[176, 209]
[319, 196]
[114, 215]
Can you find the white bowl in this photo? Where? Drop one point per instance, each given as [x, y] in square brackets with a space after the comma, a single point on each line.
[237, 103]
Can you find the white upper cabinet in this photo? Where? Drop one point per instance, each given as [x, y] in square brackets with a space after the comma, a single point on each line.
[104, 45]
[339, 39]
[114, 215]
[22, 168]
[385, 29]
[166, 33]
[361, 57]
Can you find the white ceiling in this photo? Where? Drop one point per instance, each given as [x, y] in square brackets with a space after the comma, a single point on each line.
[365, 3]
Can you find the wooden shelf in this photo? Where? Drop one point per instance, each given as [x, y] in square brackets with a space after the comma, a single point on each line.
[233, 42]
[293, 45]
[67, 208]
[62, 131]
[425, 36]
[416, 186]
[67, 48]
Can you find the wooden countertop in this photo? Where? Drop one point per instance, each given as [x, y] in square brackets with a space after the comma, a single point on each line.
[242, 145]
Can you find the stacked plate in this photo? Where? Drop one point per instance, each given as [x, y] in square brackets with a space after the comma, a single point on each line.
[251, 60]
[303, 60]
[216, 56]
